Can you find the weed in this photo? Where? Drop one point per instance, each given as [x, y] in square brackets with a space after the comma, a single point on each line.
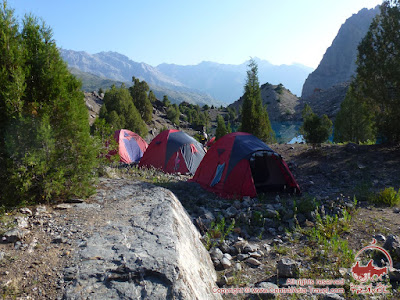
[388, 197]
[218, 230]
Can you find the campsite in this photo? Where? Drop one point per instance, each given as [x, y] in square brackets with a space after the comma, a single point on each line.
[200, 180]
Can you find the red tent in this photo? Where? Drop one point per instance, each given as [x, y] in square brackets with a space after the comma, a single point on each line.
[173, 151]
[130, 146]
[239, 164]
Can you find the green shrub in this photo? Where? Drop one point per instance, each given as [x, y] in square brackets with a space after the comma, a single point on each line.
[388, 196]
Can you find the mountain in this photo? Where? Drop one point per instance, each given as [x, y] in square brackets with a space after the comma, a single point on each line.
[338, 64]
[207, 81]
[107, 68]
[282, 105]
[225, 82]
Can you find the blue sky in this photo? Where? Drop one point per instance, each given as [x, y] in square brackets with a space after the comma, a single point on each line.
[186, 32]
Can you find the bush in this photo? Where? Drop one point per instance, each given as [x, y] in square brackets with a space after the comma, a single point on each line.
[388, 196]
[315, 130]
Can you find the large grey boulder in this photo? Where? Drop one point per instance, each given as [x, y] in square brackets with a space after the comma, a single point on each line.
[143, 246]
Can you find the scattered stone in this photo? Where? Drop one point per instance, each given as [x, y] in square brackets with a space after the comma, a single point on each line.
[40, 210]
[2, 254]
[13, 235]
[228, 256]
[332, 297]
[267, 247]
[226, 263]
[288, 268]
[25, 211]
[393, 244]
[216, 253]
[396, 210]
[63, 206]
[58, 240]
[250, 248]
[253, 262]
[22, 222]
[240, 245]
[231, 212]
[380, 238]
[394, 275]
[238, 267]
[255, 254]
[242, 256]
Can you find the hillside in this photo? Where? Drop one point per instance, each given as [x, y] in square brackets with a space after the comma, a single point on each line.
[282, 105]
[338, 64]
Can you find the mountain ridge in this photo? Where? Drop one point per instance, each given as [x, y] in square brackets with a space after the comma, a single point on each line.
[221, 82]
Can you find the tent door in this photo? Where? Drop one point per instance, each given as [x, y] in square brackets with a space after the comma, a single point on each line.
[266, 174]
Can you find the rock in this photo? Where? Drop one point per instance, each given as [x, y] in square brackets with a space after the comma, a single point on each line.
[227, 256]
[238, 267]
[226, 263]
[41, 210]
[13, 235]
[216, 253]
[267, 286]
[255, 254]
[393, 244]
[58, 240]
[230, 212]
[63, 206]
[394, 275]
[300, 218]
[149, 250]
[25, 211]
[242, 256]
[240, 245]
[396, 210]
[380, 238]
[288, 268]
[250, 248]
[332, 297]
[271, 213]
[267, 247]
[22, 222]
[2, 254]
[253, 262]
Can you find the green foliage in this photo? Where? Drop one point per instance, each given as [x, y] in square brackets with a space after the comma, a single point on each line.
[279, 89]
[47, 151]
[255, 119]
[173, 114]
[221, 128]
[139, 92]
[378, 70]
[119, 111]
[315, 130]
[355, 120]
[388, 197]
[218, 230]
[166, 101]
[152, 97]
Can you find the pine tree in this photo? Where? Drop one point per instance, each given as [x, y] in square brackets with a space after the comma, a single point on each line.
[46, 143]
[355, 120]
[119, 111]
[255, 119]
[139, 92]
[221, 128]
[378, 70]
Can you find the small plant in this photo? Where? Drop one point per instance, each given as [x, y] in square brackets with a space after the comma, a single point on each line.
[218, 230]
[388, 196]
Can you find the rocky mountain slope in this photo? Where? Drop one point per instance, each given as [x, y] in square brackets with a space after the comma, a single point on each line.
[225, 82]
[338, 64]
[212, 81]
[282, 105]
